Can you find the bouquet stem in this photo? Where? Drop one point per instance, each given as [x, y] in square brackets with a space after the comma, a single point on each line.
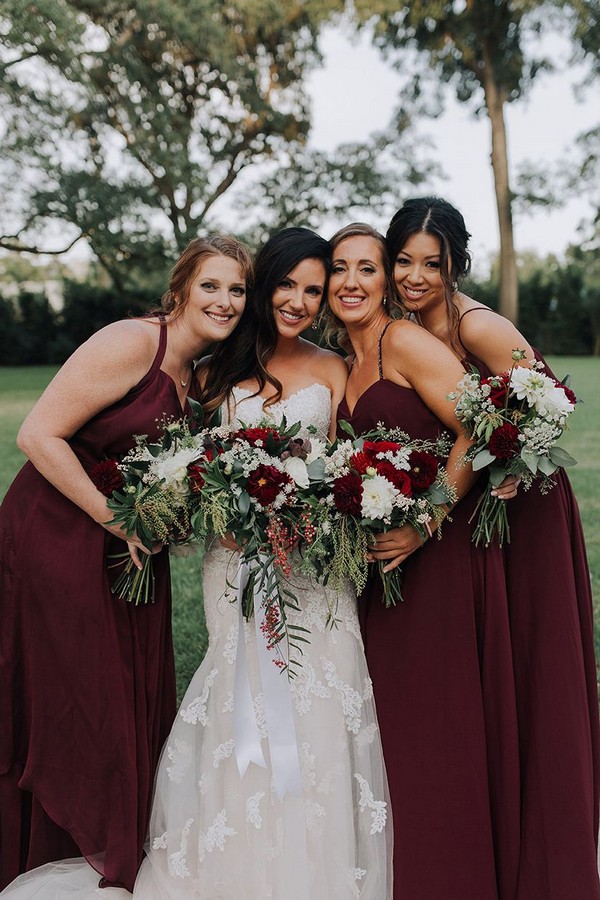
[391, 583]
[133, 584]
[492, 521]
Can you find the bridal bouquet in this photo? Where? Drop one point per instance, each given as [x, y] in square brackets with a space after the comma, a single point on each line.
[252, 483]
[515, 420]
[379, 481]
[150, 492]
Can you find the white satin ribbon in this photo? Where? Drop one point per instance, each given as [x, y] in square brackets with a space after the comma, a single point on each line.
[246, 735]
[277, 700]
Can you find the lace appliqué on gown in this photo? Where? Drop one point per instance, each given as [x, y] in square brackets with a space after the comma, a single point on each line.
[216, 835]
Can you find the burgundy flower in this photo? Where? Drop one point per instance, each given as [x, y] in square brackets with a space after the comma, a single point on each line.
[265, 483]
[375, 447]
[395, 476]
[196, 471]
[423, 469]
[106, 476]
[499, 385]
[253, 435]
[347, 494]
[504, 442]
[361, 461]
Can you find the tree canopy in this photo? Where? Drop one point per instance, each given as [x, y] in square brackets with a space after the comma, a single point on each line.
[489, 52]
[127, 125]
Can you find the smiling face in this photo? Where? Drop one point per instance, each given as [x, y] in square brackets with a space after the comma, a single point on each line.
[217, 296]
[297, 298]
[417, 272]
[357, 283]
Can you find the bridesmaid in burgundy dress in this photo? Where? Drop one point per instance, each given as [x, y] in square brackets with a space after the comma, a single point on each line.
[87, 686]
[440, 661]
[548, 585]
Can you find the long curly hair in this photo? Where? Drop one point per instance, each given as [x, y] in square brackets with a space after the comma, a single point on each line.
[246, 353]
[435, 216]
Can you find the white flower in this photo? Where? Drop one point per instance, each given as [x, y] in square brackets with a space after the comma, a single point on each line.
[173, 469]
[378, 497]
[318, 448]
[296, 469]
[555, 404]
[336, 463]
[531, 385]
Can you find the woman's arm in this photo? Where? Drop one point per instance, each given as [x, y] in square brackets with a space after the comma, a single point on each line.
[98, 374]
[492, 339]
[416, 358]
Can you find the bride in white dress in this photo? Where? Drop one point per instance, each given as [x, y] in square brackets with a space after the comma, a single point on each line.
[214, 834]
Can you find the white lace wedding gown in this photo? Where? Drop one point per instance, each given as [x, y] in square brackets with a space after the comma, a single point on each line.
[217, 836]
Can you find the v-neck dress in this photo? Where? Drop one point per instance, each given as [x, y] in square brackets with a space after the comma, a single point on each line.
[552, 642]
[87, 683]
[442, 671]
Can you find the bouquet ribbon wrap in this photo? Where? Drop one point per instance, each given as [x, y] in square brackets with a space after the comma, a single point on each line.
[277, 699]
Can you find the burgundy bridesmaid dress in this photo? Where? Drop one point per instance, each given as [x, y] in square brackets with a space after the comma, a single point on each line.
[87, 682]
[442, 670]
[552, 638]
[485, 687]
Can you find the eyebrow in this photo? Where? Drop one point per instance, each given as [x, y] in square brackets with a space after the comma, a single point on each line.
[432, 256]
[220, 281]
[366, 260]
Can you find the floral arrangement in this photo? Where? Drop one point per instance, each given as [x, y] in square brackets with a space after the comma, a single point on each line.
[515, 420]
[151, 494]
[372, 483]
[253, 483]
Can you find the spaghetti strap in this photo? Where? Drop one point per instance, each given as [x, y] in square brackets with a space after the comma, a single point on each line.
[161, 350]
[379, 353]
[466, 313]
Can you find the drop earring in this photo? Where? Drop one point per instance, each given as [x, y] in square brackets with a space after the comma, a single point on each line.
[454, 286]
[384, 301]
[314, 325]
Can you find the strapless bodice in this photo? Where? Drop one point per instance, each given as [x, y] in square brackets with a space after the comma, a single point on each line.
[311, 406]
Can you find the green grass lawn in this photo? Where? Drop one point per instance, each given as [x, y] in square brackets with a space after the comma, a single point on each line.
[20, 387]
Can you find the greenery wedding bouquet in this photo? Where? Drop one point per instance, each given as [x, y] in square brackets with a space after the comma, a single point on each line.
[151, 493]
[515, 420]
[372, 483]
[252, 483]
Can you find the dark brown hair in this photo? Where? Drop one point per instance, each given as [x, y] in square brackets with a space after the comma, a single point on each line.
[245, 354]
[435, 216]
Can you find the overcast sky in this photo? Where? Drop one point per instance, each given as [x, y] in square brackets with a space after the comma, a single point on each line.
[356, 91]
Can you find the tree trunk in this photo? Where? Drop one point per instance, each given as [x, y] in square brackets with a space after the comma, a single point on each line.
[509, 286]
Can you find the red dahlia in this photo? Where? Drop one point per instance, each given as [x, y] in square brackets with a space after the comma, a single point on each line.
[347, 494]
[504, 442]
[253, 435]
[106, 476]
[196, 476]
[423, 469]
[265, 483]
[360, 462]
[375, 447]
[395, 476]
